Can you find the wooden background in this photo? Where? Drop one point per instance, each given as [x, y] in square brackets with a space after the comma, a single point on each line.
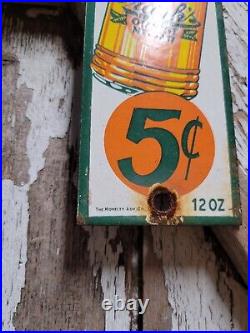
[56, 273]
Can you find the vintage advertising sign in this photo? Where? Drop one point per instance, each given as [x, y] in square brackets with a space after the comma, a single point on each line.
[157, 136]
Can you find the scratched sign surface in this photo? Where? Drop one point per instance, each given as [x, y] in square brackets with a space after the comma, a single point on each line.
[157, 138]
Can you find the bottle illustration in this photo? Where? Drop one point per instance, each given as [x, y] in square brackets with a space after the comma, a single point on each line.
[151, 46]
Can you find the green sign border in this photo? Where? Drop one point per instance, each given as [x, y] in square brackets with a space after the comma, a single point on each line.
[83, 174]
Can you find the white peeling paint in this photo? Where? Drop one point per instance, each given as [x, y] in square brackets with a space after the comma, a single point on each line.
[49, 111]
[14, 237]
[199, 295]
[112, 276]
[46, 69]
[236, 25]
[115, 277]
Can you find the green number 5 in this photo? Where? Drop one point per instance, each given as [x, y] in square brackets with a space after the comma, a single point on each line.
[169, 146]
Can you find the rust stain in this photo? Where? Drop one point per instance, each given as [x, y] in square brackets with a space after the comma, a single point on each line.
[170, 216]
[163, 206]
[80, 220]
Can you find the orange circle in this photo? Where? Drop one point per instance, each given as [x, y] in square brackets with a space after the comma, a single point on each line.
[146, 154]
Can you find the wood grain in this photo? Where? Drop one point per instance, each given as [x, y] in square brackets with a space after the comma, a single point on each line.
[200, 287]
[59, 273]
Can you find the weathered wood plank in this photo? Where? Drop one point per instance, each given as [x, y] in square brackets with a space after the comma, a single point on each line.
[159, 314]
[59, 273]
[199, 286]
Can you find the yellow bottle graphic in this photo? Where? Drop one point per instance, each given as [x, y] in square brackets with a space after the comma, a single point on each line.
[151, 46]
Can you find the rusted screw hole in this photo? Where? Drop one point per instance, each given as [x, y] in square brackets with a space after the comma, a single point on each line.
[162, 202]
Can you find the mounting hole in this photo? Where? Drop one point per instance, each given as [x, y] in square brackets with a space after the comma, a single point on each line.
[162, 202]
